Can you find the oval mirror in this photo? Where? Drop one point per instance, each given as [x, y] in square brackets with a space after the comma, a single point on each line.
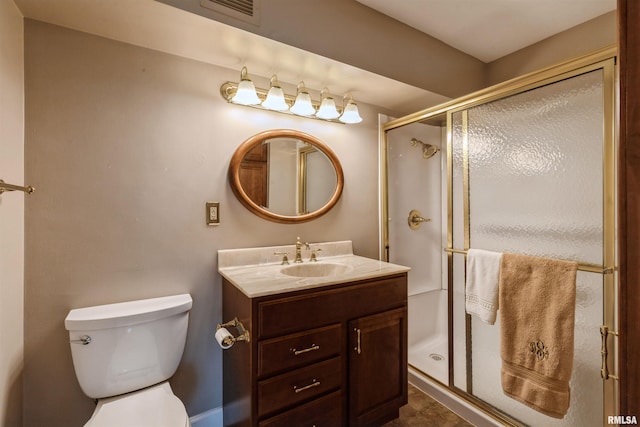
[286, 176]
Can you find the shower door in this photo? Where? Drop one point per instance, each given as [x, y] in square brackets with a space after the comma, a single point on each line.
[532, 172]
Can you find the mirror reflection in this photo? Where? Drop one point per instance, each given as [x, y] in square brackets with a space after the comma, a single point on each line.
[286, 176]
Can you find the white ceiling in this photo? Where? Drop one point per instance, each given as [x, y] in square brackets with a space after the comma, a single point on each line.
[157, 26]
[491, 29]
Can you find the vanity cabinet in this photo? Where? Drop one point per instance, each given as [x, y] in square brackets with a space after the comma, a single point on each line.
[330, 356]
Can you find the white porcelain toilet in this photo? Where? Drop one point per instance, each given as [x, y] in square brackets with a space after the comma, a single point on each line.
[123, 355]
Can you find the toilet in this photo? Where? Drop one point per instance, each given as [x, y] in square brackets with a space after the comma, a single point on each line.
[124, 354]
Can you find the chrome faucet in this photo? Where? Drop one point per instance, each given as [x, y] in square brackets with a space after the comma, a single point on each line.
[299, 245]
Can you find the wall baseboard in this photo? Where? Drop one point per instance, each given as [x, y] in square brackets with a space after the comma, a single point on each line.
[210, 418]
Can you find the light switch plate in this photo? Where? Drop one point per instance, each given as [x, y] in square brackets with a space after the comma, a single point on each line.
[213, 213]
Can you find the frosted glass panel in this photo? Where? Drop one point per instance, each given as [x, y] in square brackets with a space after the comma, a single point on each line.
[535, 174]
[536, 187]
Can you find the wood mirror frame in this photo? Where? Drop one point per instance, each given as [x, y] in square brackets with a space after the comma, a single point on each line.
[251, 205]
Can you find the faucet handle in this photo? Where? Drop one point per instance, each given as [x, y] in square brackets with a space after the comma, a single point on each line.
[285, 258]
[313, 255]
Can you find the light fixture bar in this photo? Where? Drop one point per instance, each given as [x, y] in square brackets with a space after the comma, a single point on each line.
[343, 115]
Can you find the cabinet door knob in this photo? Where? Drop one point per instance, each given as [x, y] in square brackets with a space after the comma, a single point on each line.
[357, 347]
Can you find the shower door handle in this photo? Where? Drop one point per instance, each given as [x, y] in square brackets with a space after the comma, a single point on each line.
[604, 370]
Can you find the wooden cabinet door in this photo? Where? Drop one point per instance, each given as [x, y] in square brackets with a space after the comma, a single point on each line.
[377, 367]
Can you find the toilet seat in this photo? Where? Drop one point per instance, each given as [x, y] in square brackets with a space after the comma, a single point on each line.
[155, 406]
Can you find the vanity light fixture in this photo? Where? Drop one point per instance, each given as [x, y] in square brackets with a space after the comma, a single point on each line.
[350, 114]
[327, 108]
[274, 99]
[246, 91]
[303, 105]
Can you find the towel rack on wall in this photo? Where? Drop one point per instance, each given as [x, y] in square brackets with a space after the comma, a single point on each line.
[591, 268]
[10, 187]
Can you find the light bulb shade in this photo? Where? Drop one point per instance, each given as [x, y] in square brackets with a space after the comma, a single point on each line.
[303, 105]
[275, 99]
[351, 113]
[246, 94]
[327, 109]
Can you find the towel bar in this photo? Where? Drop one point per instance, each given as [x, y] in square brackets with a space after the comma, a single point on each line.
[591, 268]
[10, 187]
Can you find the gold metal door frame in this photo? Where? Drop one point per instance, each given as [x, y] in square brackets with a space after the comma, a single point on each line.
[602, 59]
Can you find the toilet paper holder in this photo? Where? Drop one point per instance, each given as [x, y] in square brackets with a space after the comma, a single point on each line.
[235, 323]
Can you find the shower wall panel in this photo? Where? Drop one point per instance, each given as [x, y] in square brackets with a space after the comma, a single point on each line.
[415, 183]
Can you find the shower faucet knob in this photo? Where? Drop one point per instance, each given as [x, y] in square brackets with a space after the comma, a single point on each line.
[415, 219]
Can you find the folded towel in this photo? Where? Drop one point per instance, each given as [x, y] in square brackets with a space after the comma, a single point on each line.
[537, 311]
[481, 293]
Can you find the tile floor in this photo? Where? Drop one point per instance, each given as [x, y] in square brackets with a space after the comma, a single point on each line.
[423, 411]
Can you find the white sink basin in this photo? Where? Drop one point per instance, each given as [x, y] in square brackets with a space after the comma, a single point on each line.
[320, 269]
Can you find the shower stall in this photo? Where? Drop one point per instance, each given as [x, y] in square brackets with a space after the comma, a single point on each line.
[523, 167]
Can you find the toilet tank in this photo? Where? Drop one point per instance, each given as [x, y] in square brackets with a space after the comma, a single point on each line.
[133, 344]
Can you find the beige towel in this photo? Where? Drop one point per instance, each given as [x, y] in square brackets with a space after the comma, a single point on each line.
[481, 291]
[537, 311]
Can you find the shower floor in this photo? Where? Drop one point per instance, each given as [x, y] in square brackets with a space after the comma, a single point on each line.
[430, 356]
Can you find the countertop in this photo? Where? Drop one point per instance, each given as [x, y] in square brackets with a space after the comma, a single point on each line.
[255, 272]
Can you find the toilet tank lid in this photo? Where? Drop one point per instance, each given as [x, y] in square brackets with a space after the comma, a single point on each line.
[126, 313]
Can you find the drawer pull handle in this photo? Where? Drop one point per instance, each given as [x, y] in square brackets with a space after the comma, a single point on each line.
[358, 348]
[307, 387]
[305, 350]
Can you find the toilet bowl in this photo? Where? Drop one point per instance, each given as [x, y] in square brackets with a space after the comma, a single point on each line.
[124, 353]
[155, 406]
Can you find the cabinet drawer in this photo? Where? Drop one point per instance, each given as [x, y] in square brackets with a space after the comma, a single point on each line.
[324, 307]
[297, 386]
[293, 351]
[323, 412]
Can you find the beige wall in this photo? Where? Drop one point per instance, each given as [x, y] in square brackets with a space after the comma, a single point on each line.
[585, 38]
[11, 213]
[354, 34]
[125, 145]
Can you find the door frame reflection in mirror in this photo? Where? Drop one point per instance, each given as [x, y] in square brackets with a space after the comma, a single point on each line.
[255, 208]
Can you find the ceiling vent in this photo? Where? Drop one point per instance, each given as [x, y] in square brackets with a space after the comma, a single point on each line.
[244, 10]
